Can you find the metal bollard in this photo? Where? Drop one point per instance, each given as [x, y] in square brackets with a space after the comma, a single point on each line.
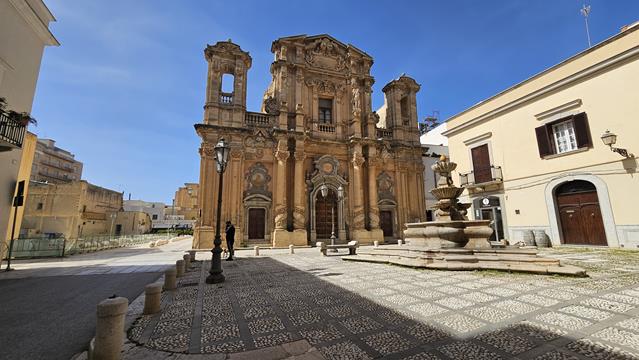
[179, 268]
[376, 243]
[187, 262]
[152, 296]
[291, 249]
[257, 250]
[109, 328]
[169, 279]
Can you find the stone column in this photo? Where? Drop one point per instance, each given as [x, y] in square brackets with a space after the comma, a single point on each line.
[299, 212]
[281, 155]
[358, 198]
[204, 232]
[373, 211]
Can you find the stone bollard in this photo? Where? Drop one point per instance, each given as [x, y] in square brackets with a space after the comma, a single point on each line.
[257, 250]
[109, 329]
[179, 268]
[187, 262]
[291, 249]
[152, 296]
[376, 243]
[192, 253]
[169, 278]
[400, 242]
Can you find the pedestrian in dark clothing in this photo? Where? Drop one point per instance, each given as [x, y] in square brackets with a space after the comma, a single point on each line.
[230, 239]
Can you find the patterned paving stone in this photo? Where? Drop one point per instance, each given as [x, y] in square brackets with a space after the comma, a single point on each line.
[218, 317]
[455, 303]
[565, 321]
[170, 326]
[473, 285]
[538, 300]
[618, 336]
[346, 350]
[506, 341]
[176, 312]
[272, 339]
[628, 299]
[305, 317]
[477, 297]
[467, 350]
[586, 312]
[426, 333]
[516, 307]
[608, 305]
[258, 312]
[387, 342]
[489, 313]
[460, 323]
[360, 324]
[217, 333]
[451, 290]
[401, 299]
[381, 291]
[172, 343]
[321, 334]
[341, 311]
[556, 355]
[265, 325]
[558, 294]
[423, 356]
[427, 309]
[537, 331]
[630, 324]
[227, 347]
[500, 291]
[519, 286]
[598, 351]
[405, 287]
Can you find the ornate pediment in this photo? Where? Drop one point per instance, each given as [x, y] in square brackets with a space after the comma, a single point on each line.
[257, 180]
[326, 86]
[259, 140]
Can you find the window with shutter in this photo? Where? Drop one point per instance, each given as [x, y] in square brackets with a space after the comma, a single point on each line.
[481, 164]
[564, 135]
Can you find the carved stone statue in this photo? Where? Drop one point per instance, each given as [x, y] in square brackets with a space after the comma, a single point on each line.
[355, 97]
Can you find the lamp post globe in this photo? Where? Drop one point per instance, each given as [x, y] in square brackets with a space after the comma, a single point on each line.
[222, 151]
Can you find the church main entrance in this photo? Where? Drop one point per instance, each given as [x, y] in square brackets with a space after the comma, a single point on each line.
[323, 206]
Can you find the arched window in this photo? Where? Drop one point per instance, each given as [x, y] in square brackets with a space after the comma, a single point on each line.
[576, 186]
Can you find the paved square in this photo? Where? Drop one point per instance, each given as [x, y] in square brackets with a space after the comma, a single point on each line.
[350, 310]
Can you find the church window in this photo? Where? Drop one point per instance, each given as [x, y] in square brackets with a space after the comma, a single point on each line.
[325, 111]
[404, 110]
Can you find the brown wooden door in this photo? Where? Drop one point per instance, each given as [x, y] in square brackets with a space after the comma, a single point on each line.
[256, 224]
[386, 222]
[581, 221]
[323, 206]
[481, 164]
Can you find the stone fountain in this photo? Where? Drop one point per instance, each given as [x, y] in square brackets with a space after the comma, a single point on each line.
[452, 242]
[451, 228]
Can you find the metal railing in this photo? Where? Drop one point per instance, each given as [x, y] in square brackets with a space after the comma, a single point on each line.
[226, 98]
[257, 119]
[11, 131]
[384, 134]
[59, 246]
[481, 176]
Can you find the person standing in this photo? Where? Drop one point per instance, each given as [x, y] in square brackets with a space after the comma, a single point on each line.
[230, 239]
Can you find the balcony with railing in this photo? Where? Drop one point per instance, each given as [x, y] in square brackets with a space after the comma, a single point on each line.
[258, 119]
[326, 128]
[384, 134]
[481, 177]
[11, 133]
[226, 98]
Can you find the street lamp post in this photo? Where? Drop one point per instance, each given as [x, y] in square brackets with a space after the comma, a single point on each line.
[222, 151]
[340, 196]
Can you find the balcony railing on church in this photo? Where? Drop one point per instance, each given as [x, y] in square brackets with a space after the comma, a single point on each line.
[258, 119]
[226, 98]
[11, 133]
[327, 128]
[384, 133]
[481, 176]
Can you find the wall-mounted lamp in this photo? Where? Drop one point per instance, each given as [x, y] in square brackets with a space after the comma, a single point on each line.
[610, 139]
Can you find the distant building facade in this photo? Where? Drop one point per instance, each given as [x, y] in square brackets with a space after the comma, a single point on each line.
[185, 202]
[316, 131]
[532, 157]
[434, 145]
[155, 210]
[54, 165]
[79, 209]
[24, 25]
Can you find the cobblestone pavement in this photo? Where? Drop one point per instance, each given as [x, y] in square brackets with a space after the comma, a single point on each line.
[349, 310]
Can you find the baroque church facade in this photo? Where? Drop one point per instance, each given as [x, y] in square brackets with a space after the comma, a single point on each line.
[316, 129]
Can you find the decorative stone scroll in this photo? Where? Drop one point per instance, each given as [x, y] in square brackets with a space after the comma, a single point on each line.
[358, 159]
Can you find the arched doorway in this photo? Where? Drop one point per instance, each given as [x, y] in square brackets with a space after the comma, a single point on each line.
[579, 214]
[326, 214]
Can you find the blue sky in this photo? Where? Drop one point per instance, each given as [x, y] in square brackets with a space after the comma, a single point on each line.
[127, 84]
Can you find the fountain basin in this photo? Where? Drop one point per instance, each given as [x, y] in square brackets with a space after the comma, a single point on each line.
[449, 234]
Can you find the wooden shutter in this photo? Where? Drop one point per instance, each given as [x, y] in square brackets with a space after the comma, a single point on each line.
[582, 131]
[543, 141]
[481, 164]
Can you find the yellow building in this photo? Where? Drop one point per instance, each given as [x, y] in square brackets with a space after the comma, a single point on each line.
[185, 202]
[316, 130]
[532, 156]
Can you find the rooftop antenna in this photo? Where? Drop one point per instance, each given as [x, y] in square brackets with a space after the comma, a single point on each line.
[585, 11]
